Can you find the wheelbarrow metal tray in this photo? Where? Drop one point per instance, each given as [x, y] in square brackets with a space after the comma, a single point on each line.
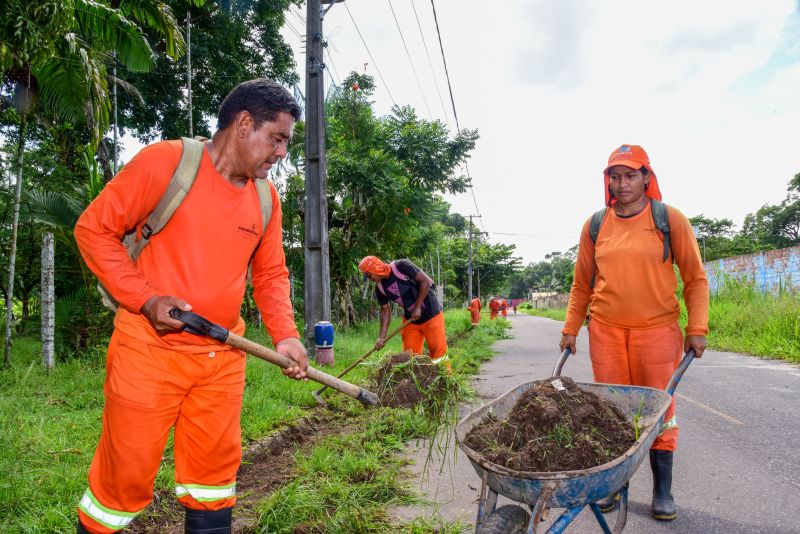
[571, 488]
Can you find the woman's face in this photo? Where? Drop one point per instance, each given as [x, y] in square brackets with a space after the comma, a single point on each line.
[627, 184]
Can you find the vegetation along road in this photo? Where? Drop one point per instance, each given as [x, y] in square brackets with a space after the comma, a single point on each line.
[737, 465]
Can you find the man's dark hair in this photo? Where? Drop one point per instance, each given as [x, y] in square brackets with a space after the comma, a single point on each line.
[263, 99]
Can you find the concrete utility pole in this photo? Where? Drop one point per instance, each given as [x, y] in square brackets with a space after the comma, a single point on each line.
[469, 266]
[317, 264]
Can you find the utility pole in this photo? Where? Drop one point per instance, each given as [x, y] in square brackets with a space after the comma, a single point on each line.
[189, 67]
[317, 264]
[469, 266]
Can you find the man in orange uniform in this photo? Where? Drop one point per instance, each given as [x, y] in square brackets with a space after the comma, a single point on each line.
[409, 287]
[158, 376]
[503, 307]
[475, 311]
[494, 308]
[634, 337]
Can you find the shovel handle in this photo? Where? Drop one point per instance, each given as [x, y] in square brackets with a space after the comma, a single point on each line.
[202, 326]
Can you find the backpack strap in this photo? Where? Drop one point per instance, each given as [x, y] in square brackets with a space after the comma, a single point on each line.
[661, 219]
[265, 199]
[594, 230]
[597, 221]
[179, 186]
[402, 276]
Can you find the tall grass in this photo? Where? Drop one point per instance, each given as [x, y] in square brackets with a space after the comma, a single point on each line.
[558, 314]
[743, 319]
[51, 421]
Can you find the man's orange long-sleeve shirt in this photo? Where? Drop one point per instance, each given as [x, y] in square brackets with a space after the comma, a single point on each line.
[634, 286]
[201, 255]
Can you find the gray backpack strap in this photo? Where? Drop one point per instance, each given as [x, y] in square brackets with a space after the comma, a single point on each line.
[594, 230]
[265, 199]
[661, 221]
[597, 222]
[179, 186]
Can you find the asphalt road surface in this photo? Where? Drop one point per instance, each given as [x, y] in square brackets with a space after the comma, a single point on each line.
[737, 468]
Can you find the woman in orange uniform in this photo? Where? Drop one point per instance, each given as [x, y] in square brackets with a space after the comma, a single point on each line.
[624, 275]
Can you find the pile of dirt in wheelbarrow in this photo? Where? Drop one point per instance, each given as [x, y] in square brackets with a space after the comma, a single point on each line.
[404, 380]
[551, 429]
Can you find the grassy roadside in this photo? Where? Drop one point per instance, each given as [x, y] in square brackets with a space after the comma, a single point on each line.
[346, 483]
[51, 422]
[557, 314]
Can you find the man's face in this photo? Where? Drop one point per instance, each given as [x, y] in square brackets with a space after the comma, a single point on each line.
[263, 146]
[374, 277]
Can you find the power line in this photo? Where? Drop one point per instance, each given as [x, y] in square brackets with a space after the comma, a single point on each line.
[430, 64]
[453, 103]
[386, 85]
[444, 60]
[330, 58]
[410, 61]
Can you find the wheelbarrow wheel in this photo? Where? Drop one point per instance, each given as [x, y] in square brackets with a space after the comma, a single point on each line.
[508, 519]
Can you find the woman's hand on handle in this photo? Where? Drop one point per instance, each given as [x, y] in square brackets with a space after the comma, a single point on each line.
[698, 343]
[568, 342]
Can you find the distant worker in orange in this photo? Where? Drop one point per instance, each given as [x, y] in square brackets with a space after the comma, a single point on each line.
[475, 311]
[494, 308]
[409, 287]
[515, 309]
[504, 307]
[624, 275]
[158, 376]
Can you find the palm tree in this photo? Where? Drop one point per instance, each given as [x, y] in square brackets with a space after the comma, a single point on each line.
[65, 77]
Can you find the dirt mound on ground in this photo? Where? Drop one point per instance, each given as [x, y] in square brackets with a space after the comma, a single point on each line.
[552, 430]
[403, 378]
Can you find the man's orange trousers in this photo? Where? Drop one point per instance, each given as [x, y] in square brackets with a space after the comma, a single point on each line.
[504, 312]
[148, 390]
[493, 314]
[432, 333]
[639, 357]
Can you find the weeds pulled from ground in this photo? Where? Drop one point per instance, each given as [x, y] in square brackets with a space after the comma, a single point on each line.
[554, 429]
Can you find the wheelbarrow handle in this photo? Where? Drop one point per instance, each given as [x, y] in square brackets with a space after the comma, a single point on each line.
[561, 361]
[676, 376]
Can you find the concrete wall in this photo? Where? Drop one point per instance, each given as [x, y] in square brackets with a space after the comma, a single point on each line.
[555, 300]
[770, 270]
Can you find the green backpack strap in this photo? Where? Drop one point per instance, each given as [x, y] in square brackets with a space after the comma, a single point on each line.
[179, 186]
[661, 220]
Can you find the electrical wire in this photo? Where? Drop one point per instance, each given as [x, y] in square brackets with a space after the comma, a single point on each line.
[410, 61]
[386, 85]
[430, 64]
[444, 61]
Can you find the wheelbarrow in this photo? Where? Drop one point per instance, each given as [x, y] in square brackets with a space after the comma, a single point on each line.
[572, 490]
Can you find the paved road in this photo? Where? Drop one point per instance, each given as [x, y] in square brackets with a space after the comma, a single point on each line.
[737, 469]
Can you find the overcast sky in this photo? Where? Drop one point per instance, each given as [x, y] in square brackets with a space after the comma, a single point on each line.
[708, 87]
[711, 89]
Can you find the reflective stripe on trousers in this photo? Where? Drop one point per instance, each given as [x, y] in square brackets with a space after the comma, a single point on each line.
[114, 519]
[203, 493]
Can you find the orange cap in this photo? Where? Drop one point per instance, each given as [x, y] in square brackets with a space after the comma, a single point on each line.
[373, 265]
[635, 157]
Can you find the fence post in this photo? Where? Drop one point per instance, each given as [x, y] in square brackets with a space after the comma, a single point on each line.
[48, 301]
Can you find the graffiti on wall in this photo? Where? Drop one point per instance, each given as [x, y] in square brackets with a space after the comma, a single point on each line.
[771, 270]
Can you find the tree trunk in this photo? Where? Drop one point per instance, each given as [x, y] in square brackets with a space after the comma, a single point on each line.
[48, 301]
[13, 254]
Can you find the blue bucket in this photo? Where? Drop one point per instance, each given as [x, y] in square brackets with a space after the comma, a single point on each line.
[323, 335]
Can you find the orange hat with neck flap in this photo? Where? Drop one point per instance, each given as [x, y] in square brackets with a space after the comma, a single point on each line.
[635, 157]
[374, 265]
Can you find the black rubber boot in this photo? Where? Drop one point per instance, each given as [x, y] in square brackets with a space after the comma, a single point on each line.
[663, 507]
[608, 504]
[81, 529]
[208, 521]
